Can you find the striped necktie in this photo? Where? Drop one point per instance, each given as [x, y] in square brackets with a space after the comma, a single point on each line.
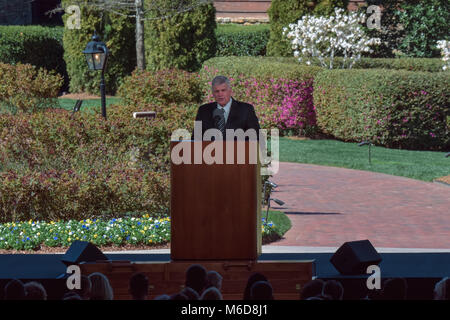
[221, 121]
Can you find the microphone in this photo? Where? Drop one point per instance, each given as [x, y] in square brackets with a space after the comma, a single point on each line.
[217, 115]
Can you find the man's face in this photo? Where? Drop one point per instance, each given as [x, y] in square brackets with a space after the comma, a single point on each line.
[222, 93]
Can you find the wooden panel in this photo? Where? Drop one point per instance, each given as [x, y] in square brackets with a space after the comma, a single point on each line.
[215, 208]
[287, 277]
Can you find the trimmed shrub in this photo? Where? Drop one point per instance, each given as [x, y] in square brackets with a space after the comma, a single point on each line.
[258, 67]
[23, 88]
[54, 195]
[144, 88]
[409, 64]
[284, 12]
[397, 109]
[287, 65]
[35, 45]
[182, 40]
[116, 31]
[240, 40]
[53, 166]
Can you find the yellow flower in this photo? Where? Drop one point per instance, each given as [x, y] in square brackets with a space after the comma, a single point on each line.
[68, 239]
[145, 228]
[150, 241]
[95, 236]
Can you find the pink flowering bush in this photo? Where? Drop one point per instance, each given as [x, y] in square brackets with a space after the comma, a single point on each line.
[281, 103]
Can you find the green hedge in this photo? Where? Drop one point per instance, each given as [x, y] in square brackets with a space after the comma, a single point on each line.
[240, 40]
[182, 40]
[260, 67]
[113, 29]
[36, 45]
[397, 109]
[283, 12]
[281, 65]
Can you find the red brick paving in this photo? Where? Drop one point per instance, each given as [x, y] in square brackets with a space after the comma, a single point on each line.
[329, 206]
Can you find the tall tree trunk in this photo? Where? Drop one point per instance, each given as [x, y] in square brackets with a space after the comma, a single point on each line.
[140, 49]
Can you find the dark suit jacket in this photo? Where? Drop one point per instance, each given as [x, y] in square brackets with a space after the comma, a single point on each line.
[242, 116]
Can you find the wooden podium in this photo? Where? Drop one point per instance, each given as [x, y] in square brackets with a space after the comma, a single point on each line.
[215, 208]
[216, 222]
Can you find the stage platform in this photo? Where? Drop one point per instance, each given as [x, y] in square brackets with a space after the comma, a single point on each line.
[421, 269]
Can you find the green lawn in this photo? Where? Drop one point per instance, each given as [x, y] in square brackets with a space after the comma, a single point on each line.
[281, 224]
[88, 104]
[234, 27]
[421, 165]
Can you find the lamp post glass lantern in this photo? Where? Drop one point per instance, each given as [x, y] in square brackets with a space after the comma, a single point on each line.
[96, 54]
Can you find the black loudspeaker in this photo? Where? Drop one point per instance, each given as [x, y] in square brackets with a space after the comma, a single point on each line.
[354, 257]
[82, 251]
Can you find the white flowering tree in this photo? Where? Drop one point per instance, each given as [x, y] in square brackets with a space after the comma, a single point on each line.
[444, 45]
[326, 37]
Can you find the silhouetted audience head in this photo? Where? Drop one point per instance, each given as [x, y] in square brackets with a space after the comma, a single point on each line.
[178, 296]
[71, 295]
[100, 287]
[254, 277]
[213, 279]
[333, 289]
[162, 297]
[85, 288]
[394, 289]
[14, 290]
[196, 278]
[35, 291]
[442, 289]
[261, 290]
[138, 286]
[312, 288]
[211, 293]
[190, 293]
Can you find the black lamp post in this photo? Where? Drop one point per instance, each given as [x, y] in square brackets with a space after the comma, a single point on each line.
[96, 54]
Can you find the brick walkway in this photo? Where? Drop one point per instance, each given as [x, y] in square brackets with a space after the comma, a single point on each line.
[329, 206]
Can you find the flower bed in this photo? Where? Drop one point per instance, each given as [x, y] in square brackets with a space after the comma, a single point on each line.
[142, 230]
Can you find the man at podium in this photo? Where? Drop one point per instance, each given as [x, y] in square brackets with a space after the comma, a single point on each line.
[226, 112]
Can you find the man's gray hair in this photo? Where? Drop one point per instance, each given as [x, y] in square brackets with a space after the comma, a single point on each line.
[220, 80]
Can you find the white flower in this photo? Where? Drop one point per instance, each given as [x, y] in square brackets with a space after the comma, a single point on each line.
[322, 36]
[444, 45]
